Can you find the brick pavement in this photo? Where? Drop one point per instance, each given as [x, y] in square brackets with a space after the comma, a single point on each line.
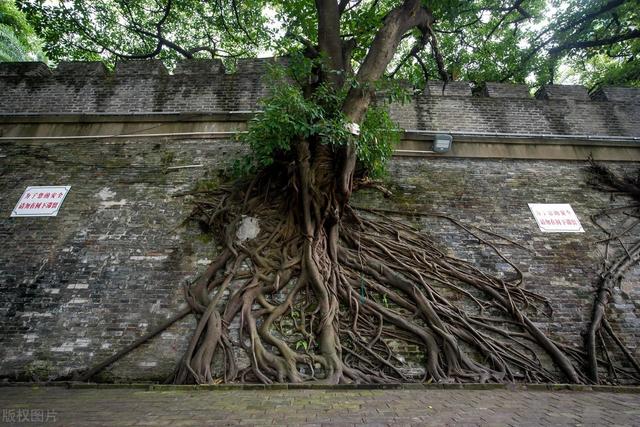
[132, 407]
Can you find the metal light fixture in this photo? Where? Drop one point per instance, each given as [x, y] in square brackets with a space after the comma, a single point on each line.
[442, 142]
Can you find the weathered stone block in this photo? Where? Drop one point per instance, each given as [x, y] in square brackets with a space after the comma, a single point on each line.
[139, 67]
[615, 93]
[26, 69]
[570, 92]
[81, 69]
[506, 90]
[199, 67]
[258, 65]
[455, 88]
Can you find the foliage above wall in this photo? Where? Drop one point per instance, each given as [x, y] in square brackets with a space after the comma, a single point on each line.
[18, 40]
[593, 41]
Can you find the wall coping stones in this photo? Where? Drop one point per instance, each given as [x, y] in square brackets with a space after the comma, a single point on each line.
[455, 88]
[140, 67]
[155, 67]
[81, 69]
[505, 90]
[24, 69]
[567, 92]
[616, 93]
[199, 67]
[258, 65]
[145, 88]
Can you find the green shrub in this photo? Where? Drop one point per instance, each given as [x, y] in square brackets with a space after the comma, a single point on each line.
[288, 116]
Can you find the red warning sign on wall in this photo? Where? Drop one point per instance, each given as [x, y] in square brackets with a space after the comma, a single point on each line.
[41, 201]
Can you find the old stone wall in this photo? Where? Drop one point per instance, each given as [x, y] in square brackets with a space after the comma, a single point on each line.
[520, 115]
[203, 86]
[134, 87]
[77, 287]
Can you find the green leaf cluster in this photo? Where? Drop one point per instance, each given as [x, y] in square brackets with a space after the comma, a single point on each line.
[479, 40]
[288, 116]
[378, 137]
[105, 30]
[18, 40]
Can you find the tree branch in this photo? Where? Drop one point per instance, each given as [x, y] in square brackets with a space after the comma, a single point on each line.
[420, 44]
[162, 41]
[596, 43]
[329, 40]
[607, 7]
[212, 50]
[400, 20]
[343, 5]
[517, 6]
[238, 20]
[165, 15]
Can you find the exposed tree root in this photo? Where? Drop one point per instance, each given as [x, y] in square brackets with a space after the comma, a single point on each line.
[327, 292]
[622, 252]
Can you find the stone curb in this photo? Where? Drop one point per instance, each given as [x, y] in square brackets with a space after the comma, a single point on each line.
[347, 387]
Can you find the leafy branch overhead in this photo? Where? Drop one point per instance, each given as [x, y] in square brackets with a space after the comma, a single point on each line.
[596, 41]
[18, 40]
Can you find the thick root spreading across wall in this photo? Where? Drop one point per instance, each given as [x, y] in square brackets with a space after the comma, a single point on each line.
[310, 288]
[333, 302]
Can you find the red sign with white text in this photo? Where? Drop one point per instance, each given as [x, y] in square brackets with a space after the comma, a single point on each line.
[41, 201]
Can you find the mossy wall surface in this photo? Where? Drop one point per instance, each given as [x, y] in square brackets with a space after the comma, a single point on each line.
[77, 287]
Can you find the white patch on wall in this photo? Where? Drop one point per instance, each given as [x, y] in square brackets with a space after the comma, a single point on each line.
[155, 307]
[36, 314]
[66, 347]
[107, 204]
[148, 257]
[106, 194]
[248, 230]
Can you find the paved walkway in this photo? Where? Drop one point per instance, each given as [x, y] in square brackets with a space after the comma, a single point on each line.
[127, 407]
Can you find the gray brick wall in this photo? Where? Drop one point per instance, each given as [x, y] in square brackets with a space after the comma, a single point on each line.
[135, 87]
[202, 86]
[77, 287]
[519, 115]
[506, 90]
[563, 92]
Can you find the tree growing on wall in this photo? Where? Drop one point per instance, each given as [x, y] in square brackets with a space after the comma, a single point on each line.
[322, 288]
[621, 253]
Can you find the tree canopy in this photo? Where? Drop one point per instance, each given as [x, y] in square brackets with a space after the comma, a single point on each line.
[18, 40]
[538, 41]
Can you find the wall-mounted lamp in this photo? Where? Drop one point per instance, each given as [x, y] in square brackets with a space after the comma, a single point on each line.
[442, 142]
